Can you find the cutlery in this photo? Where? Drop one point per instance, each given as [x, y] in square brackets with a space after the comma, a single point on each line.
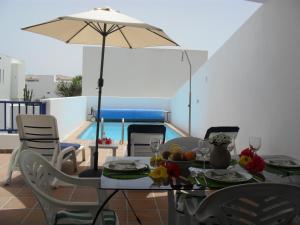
[194, 174]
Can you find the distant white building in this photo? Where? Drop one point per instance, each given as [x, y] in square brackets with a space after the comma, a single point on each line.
[44, 86]
[12, 77]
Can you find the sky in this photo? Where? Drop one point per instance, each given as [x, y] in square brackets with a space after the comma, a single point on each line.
[193, 24]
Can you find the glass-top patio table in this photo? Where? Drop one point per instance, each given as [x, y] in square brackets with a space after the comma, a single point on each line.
[146, 183]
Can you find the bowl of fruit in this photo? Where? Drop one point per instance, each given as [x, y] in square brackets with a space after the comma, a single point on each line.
[183, 158]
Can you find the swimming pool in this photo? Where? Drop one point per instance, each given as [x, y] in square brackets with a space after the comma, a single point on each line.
[114, 130]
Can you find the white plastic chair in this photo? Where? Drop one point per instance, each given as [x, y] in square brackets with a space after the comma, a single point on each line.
[39, 174]
[248, 204]
[39, 133]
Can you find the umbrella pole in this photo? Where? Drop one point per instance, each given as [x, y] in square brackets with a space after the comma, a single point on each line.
[100, 85]
[95, 172]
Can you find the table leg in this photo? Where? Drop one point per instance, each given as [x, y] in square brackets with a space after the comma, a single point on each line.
[92, 156]
[171, 208]
[103, 205]
[114, 151]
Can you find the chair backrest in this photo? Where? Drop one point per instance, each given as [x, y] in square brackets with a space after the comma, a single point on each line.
[39, 174]
[39, 133]
[187, 143]
[230, 131]
[139, 136]
[255, 204]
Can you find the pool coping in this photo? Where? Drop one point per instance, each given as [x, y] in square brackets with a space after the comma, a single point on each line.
[74, 136]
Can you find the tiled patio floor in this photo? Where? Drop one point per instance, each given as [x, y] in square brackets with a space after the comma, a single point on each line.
[18, 206]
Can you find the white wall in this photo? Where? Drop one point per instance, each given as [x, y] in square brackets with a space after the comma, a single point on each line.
[129, 103]
[9, 141]
[44, 87]
[70, 113]
[17, 79]
[252, 81]
[147, 72]
[5, 74]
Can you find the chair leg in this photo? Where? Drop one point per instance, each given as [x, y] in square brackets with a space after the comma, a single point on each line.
[74, 161]
[11, 166]
[83, 154]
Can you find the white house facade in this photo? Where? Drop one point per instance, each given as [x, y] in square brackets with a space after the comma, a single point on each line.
[12, 77]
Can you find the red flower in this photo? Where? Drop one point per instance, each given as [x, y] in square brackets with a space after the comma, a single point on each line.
[247, 152]
[173, 169]
[256, 165]
[106, 141]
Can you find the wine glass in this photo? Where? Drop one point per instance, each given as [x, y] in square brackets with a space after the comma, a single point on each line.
[203, 150]
[231, 147]
[154, 146]
[254, 143]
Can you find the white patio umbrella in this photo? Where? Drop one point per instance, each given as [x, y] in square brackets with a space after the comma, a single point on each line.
[102, 26]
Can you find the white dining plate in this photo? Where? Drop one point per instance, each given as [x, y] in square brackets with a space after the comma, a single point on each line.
[229, 176]
[283, 162]
[124, 165]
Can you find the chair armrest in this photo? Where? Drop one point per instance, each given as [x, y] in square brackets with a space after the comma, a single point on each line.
[93, 182]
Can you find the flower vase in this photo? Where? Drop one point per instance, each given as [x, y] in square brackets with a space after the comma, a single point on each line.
[220, 157]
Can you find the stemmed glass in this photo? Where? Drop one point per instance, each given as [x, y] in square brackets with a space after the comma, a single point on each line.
[154, 146]
[203, 151]
[254, 143]
[232, 147]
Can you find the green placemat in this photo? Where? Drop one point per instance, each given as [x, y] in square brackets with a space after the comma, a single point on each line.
[126, 175]
[215, 184]
[282, 170]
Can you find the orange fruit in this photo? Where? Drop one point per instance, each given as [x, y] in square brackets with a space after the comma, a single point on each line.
[189, 155]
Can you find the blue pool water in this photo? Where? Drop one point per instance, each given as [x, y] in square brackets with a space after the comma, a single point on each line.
[114, 130]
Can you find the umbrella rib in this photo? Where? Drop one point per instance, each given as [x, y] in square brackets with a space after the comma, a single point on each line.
[93, 26]
[162, 36]
[118, 28]
[111, 28]
[53, 21]
[100, 28]
[77, 33]
[124, 36]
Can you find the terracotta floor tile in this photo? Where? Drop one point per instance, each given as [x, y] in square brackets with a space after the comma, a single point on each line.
[117, 204]
[144, 223]
[87, 195]
[164, 215]
[8, 191]
[20, 203]
[143, 203]
[144, 215]
[62, 193]
[13, 216]
[35, 217]
[122, 215]
[162, 203]
[3, 200]
[139, 194]
[26, 192]
[118, 195]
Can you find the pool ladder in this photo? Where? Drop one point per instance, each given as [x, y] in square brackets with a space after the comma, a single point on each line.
[122, 130]
[122, 134]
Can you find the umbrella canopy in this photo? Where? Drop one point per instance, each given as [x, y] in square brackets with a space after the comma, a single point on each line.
[103, 26]
[121, 30]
